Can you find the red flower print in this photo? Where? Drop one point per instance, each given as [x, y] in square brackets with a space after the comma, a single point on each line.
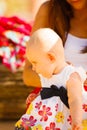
[38, 105]
[52, 127]
[30, 98]
[28, 122]
[45, 113]
[85, 87]
[56, 107]
[85, 107]
[69, 119]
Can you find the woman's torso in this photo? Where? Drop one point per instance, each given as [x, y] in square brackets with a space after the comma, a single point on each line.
[78, 27]
[73, 47]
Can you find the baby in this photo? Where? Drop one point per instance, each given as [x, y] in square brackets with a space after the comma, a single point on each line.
[62, 102]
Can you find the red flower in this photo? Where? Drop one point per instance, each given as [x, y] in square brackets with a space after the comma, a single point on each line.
[28, 122]
[16, 25]
[45, 113]
[52, 127]
[69, 119]
[85, 107]
[38, 105]
[56, 107]
[85, 87]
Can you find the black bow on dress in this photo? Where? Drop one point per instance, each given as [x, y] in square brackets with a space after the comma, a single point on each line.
[55, 91]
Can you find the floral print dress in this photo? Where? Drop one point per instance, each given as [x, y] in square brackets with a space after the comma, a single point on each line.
[52, 113]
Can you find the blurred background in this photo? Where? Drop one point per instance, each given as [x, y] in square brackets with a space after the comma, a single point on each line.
[25, 9]
[16, 21]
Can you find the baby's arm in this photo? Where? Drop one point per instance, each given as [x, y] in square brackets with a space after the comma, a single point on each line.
[74, 89]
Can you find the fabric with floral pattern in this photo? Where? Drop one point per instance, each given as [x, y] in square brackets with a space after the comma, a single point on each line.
[51, 113]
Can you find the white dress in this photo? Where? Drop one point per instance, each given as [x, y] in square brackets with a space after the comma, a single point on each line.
[51, 113]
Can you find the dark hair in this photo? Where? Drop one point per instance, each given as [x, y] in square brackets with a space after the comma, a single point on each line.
[60, 13]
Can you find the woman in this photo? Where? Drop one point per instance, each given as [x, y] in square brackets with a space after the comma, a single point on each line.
[69, 19]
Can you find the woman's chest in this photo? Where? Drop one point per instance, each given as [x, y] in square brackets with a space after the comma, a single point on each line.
[78, 27]
[73, 51]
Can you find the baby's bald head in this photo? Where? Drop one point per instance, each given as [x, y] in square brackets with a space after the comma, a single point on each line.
[45, 52]
[44, 39]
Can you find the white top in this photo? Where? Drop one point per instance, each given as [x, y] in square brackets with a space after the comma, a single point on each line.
[61, 78]
[73, 47]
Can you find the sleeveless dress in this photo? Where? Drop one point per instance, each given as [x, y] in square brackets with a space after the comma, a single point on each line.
[52, 113]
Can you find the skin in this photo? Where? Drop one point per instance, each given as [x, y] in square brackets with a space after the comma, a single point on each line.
[78, 27]
[77, 4]
[43, 54]
[78, 22]
[41, 65]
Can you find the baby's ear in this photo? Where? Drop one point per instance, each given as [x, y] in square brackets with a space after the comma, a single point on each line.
[51, 56]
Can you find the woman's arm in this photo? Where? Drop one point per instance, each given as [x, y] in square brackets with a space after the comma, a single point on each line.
[41, 19]
[30, 78]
